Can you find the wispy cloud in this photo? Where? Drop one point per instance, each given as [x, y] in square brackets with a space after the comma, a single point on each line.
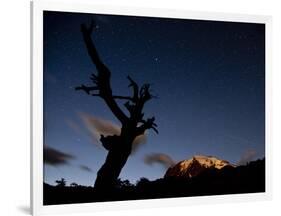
[160, 158]
[98, 126]
[73, 125]
[55, 157]
[85, 168]
[247, 156]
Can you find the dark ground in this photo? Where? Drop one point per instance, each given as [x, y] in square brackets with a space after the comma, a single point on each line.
[242, 179]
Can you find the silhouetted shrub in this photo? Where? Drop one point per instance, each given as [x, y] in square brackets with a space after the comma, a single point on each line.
[61, 183]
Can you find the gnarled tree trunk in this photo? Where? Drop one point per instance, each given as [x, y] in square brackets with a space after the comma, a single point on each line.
[110, 170]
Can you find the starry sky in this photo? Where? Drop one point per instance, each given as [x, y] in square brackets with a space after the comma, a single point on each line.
[209, 78]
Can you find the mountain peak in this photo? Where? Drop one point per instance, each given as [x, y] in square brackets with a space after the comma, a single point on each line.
[196, 165]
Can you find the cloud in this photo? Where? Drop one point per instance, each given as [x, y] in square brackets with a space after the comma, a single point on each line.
[160, 158]
[85, 168]
[55, 157]
[139, 140]
[98, 126]
[247, 156]
[73, 125]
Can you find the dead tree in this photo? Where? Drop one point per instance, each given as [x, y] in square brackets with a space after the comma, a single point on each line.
[119, 147]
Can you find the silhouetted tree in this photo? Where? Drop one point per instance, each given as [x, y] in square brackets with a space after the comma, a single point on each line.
[123, 183]
[119, 147]
[142, 181]
[73, 184]
[61, 183]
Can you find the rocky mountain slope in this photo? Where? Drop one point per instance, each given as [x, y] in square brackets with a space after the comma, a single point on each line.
[196, 165]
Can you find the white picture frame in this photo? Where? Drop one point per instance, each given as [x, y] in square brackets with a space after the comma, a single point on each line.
[37, 8]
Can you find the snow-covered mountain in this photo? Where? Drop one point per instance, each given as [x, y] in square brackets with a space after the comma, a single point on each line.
[196, 165]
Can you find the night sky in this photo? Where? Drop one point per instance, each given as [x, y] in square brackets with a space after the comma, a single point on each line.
[209, 78]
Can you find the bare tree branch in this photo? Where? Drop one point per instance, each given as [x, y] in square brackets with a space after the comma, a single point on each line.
[116, 97]
[135, 87]
[122, 97]
[130, 107]
[92, 51]
[147, 124]
[145, 93]
[102, 79]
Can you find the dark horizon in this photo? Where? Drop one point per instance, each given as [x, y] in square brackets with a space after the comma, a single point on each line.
[209, 77]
